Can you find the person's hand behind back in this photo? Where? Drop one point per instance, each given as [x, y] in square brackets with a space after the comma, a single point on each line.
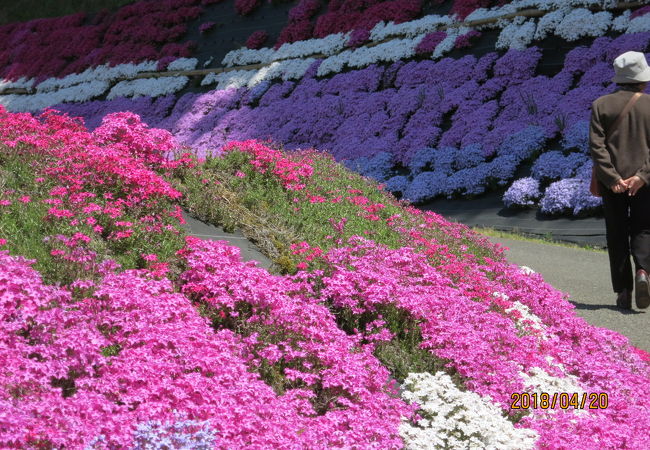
[620, 186]
[633, 185]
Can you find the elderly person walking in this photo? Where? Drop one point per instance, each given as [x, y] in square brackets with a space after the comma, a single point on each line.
[620, 149]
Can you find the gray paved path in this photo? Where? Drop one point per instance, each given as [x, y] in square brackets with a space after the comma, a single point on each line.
[584, 275]
[249, 251]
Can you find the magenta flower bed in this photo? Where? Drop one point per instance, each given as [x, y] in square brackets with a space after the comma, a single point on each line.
[257, 39]
[146, 30]
[105, 360]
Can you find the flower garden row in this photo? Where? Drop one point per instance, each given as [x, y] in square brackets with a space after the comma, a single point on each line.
[452, 127]
[122, 334]
[148, 30]
[290, 61]
[55, 47]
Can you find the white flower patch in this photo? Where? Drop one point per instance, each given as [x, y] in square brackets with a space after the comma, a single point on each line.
[390, 51]
[329, 45]
[79, 93]
[233, 79]
[209, 79]
[538, 381]
[20, 83]
[622, 22]
[265, 73]
[208, 61]
[517, 36]
[294, 69]
[639, 24]
[334, 63]
[581, 22]
[489, 13]
[458, 420]
[183, 64]
[549, 22]
[245, 56]
[98, 73]
[588, 3]
[526, 270]
[150, 87]
[529, 322]
[411, 29]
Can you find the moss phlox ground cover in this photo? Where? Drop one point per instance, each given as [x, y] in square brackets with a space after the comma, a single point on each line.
[118, 332]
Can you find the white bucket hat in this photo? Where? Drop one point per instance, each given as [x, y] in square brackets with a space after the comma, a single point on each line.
[631, 67]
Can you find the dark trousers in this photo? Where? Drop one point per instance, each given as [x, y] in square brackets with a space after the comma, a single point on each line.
[627, 220]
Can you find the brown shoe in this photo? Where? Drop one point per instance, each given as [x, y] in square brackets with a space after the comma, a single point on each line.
[642, 289]
[624, 299]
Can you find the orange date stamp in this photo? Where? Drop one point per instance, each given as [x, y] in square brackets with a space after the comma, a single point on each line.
[563, 400]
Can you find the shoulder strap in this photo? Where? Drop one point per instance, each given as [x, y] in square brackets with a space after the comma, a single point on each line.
[626, 110]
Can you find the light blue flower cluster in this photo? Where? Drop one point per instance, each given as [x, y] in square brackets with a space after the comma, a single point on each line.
[563, 178]
[569, 195]
[185, 435]
[523, 144]
[523, 192]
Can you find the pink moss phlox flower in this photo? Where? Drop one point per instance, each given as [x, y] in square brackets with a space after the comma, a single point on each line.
[217, 276]
[291, 174]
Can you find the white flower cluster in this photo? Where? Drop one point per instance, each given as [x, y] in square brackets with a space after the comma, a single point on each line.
[150, 87]
[526, 270]
[98, 73]
[291, 69]
[447, 44]
[73, 88]
[490, 13]
[183, 64]
[581, 22]
[328, 45]
[455, 419]
[390, 51]
[517, 36]
[538, 381]
[412, 28]
[549, 22]
[21, 83]
[244, 57]
[639, 24]
[78, 93]
[529, 322]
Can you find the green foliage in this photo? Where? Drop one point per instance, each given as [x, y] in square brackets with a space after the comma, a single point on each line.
[111, 350]
[31, 233]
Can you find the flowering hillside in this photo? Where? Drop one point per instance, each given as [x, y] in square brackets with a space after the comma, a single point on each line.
[119, 332]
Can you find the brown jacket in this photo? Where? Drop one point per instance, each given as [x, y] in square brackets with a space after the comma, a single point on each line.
[627, 152]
